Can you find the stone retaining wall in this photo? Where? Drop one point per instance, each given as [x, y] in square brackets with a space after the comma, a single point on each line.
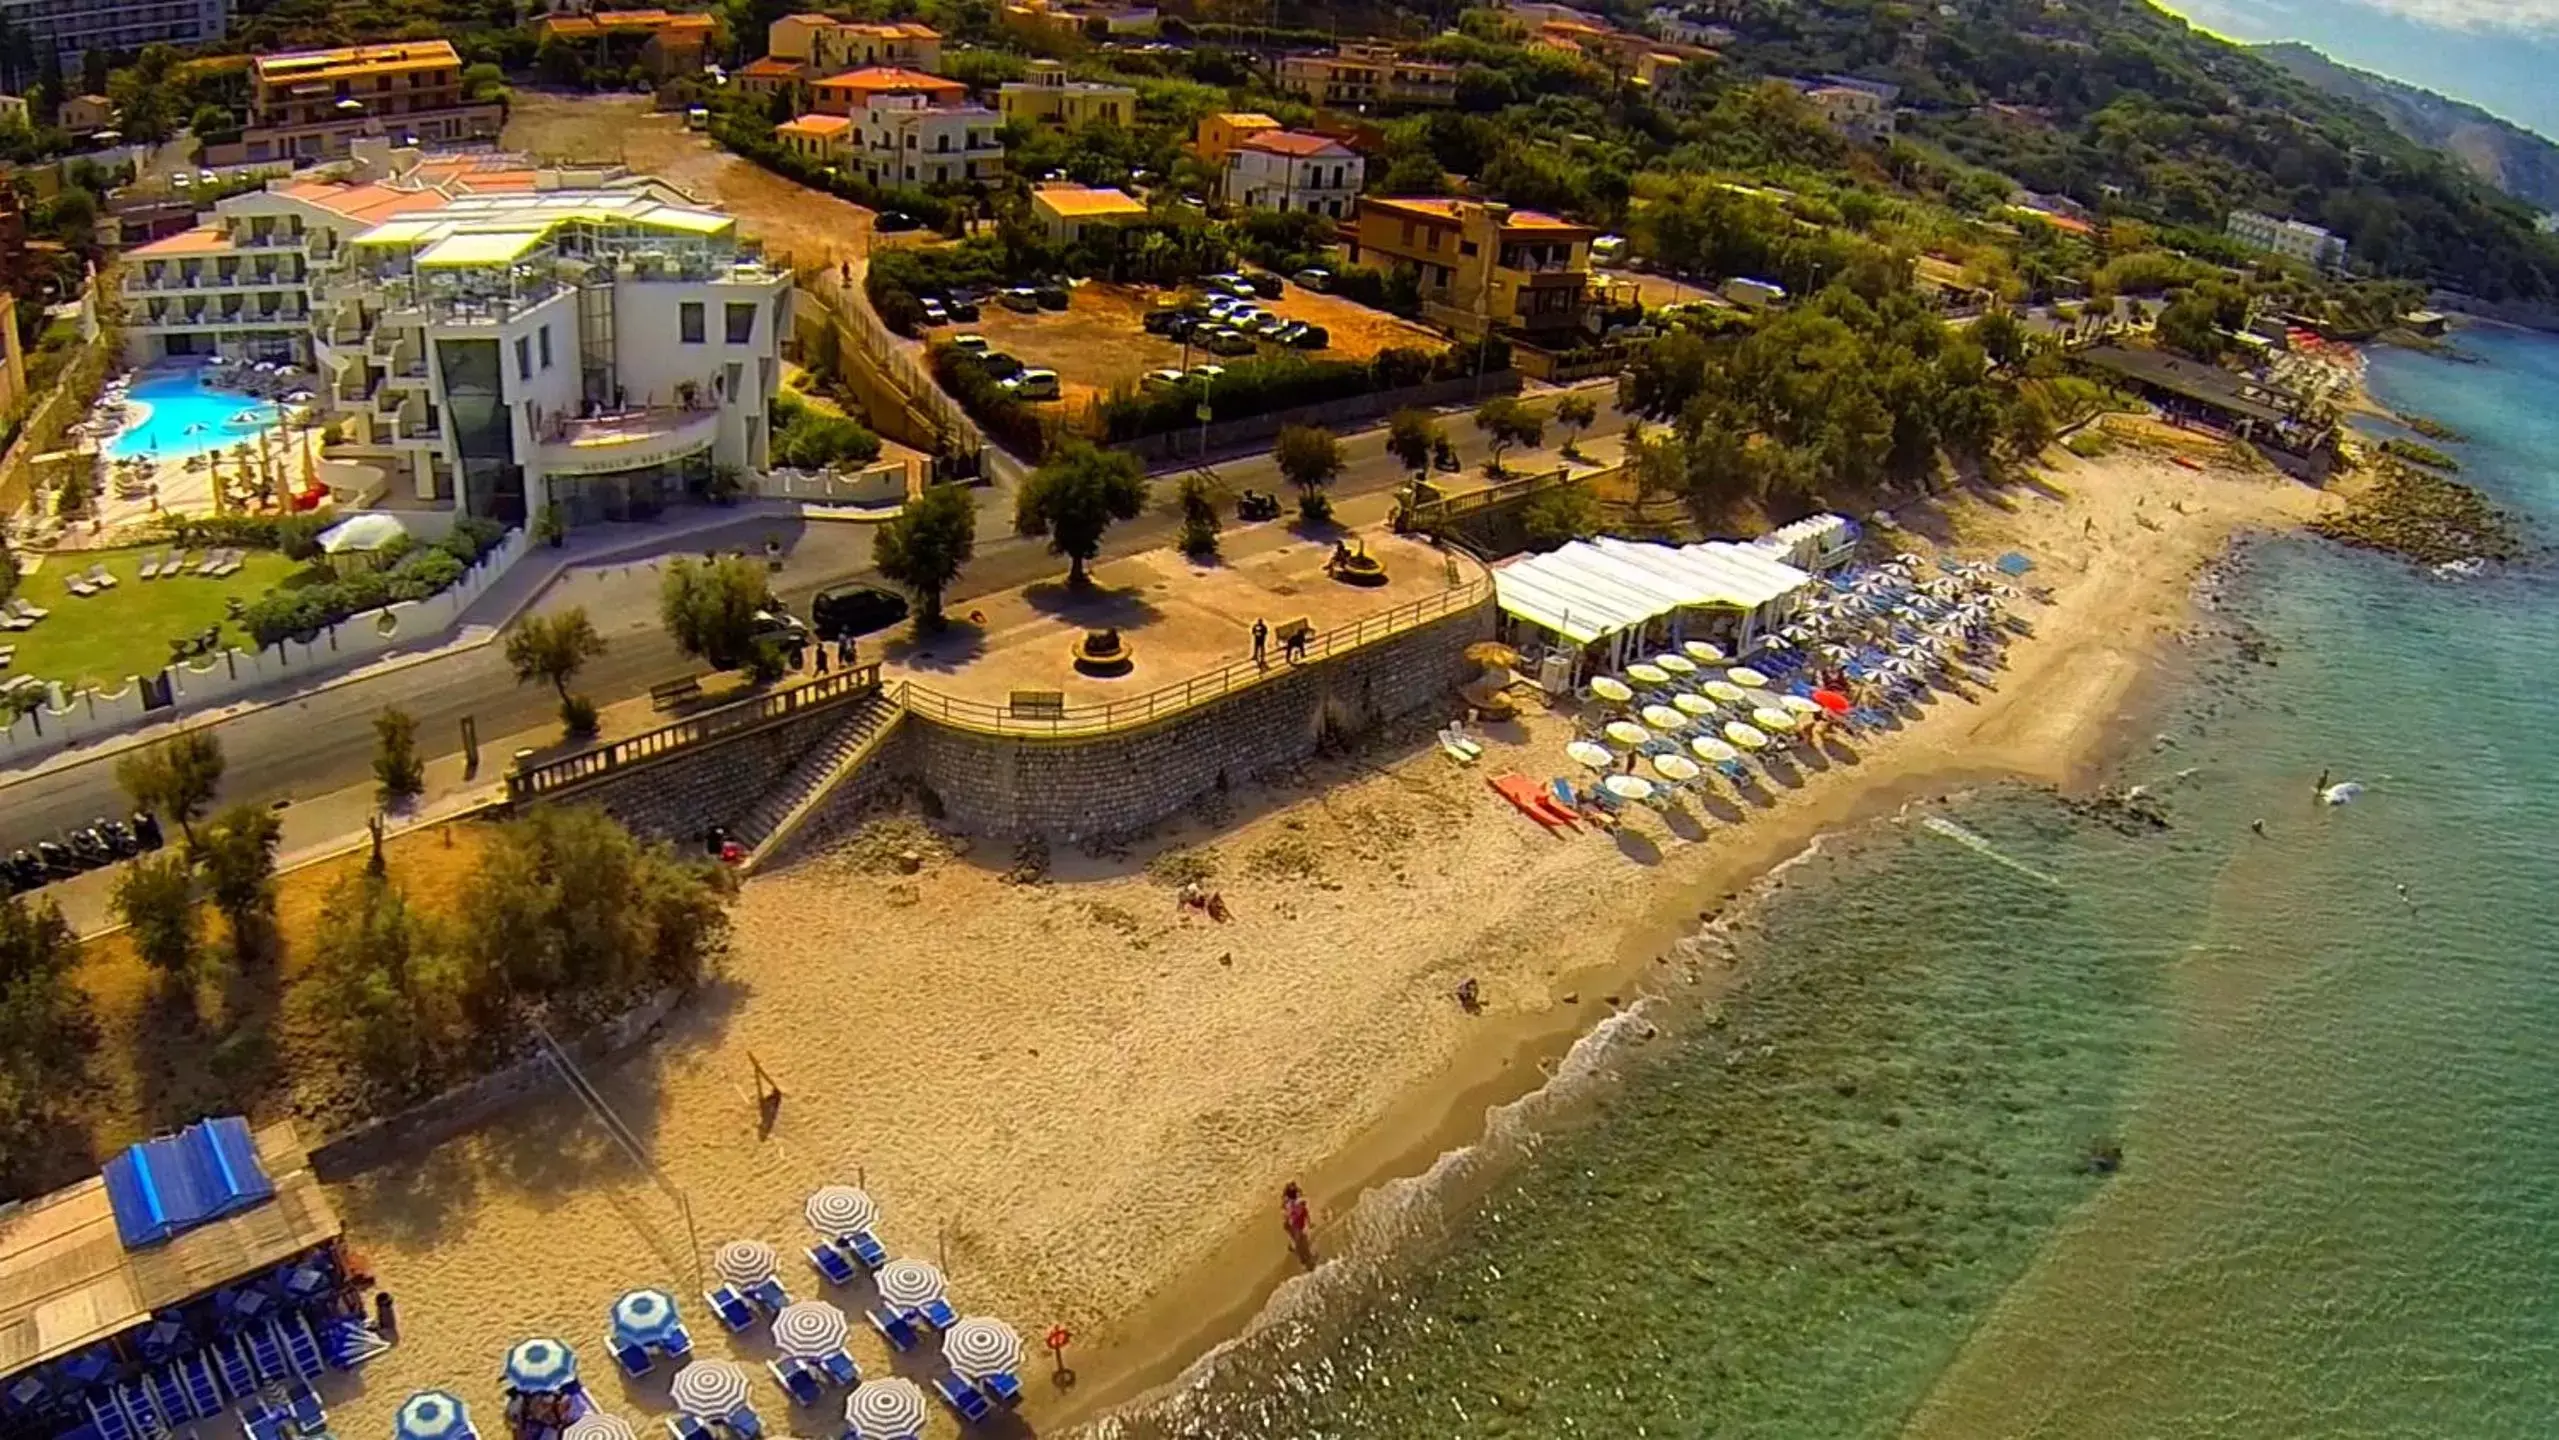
[682, 796]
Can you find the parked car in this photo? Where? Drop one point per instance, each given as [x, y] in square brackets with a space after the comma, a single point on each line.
[1160, 380]
[999, 364]
[1020, 297]
[1265, 284]
[961, 304]
[1033, 385]
[1222, 341]
[970, 344]
[891, 222]
[1161, 320]
[1049, 296]
[1231, 283]
[781, 627]
[935, 314]
[855, 610]
[1312, 337]
[1289, 332]
[1269, 326]
[1206, 375]
[1315, 278]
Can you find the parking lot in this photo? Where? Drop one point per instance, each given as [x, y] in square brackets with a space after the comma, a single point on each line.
[1098, 345]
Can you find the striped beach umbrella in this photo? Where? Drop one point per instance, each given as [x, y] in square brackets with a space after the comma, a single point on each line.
[644, 1317]
[431, 1415]
[541, 1366]
[979, 1346]
[746, 1262]
[708, 1389]
[835, 1211]
[810, 1328]
[890, 1409]
[910, 1284]
[596, 1425]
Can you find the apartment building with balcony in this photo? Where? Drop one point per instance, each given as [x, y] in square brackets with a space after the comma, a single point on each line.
[117, 27]
[1363, 77]
[1480, 264]
[1291, 170]
[850, 92]
[818, 139]
[596, 349]
[315, 104]
[824, 45]
[906, 140]
[666, 43]
[1049, 99]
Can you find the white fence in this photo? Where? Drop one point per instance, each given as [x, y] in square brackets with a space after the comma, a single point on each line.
[874, 487]
[86, 715]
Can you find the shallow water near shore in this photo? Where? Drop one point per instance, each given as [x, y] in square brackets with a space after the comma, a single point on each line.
[1869, 1195]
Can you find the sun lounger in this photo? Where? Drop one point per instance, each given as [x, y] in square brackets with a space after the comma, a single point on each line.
[1531, 800]
[137, 1404]
[238, 1375]
[678, 1343]
[685, 1427]
[798, 1379]
[80, 586]
[30, 610]
[867, 1249]
[731, 1307]
[168, 1394]
[1450, 747]
[109, 1420]
[99, 577]
[963, 1399]
[634, 1359]
[937, 1313]
[204, 1393]
[1002, 1388]
[149, 569]
[301, 1347]
[768, 1292]
[10, 619]
[893, 1328]
[347, 1343]
[840, 1369]
[744, 1423]
[832, 1265]
[309, 1416]
[267, 1354]
[211, 559]
[259, 1421]
[8, 656]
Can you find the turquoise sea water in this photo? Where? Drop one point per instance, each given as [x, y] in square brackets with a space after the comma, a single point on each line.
[1859, 1200]
[188, 415]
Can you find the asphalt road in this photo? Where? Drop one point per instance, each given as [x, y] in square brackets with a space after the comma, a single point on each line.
[323, 740]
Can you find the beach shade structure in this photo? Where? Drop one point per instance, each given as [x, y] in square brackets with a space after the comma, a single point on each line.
[810, 1328]
[1712, 750]
[1772, 719]
[431, 1415]
[707, 1389]
[1704, 652]
[1628, 787]
[1677, 769]
[745, 1263]
[539, 1367]
[1687, 704]
[1611, 689]
[644, 1317]
[979, 1346]
[2013, 563]
[1676, 664]
[889, 1409]
[836, 1211]
[1663, 717]
[1833, 701]
[1726, 691]
[1492, 655]
[1797, 705]
[362, 535]
[1590, 754]
[909, 1285]
[1745, 676]
[1743, 736]
[596, 1425]
[1628, 734]
[1647, 674]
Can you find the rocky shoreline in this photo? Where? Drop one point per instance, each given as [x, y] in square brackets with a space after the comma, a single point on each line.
[2425, 518]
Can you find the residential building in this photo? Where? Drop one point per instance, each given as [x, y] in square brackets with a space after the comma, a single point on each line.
[1362, 76]
[771, 75]
[1049, 98]
[826, 45]
[1073, 19]
[1069, 212]
[314, 104]
[847, 93]
[903, 140]
[818, 139]
[13, 107]
[492, 353]
[118, 27]
[666, 43]
[2292, 239]
[1853, 111]
[86, 115]
[1480, 264]
[1220, 131]
[1674, 25]
[1292, 170]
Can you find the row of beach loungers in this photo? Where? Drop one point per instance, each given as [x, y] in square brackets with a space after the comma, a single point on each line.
[267, 1368]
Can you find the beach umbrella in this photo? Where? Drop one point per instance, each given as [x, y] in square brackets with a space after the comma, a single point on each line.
[1703, 652]
[835, 1211]
[978, 1346]
[1688, 704]
[1744, 736]
[745, 1262]
[431, 1415]
[1628, 787]
[1838, 654]
[1587, 753]
[541, 1366]
[1492, 655]
[1725, 691]
[644, 1317]
[1677, 769]
[1627, 733]
[909, 1284]
[1744, 675]
[1798, 705]
[1663, 717]
[596, 1425]
[1611, 689]
[1646, 674]
[810, 1327]
[1772, 719]
[886, 1409]
[1712, 750]
[707, 1389]
[1676, 664]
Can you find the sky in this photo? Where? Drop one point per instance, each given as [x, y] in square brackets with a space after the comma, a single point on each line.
[2497, 54]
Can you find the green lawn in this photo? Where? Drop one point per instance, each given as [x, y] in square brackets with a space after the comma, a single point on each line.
[127, 630]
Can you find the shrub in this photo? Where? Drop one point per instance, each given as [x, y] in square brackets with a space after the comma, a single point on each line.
[577, 716]
[297, 535]
[805, 438]
[1199, 516]
[156, 898]
[1007, 421]
[399, 772]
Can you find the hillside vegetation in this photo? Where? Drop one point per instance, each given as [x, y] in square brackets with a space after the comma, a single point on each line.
[2506, 155]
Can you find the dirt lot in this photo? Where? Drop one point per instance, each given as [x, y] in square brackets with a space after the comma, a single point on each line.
[802, 223]
[1098, 345]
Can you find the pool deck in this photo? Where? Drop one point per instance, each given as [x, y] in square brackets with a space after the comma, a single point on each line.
[174, 486]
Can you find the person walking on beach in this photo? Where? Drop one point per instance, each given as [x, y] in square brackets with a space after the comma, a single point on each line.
[1261, 638]
[1293, 1214]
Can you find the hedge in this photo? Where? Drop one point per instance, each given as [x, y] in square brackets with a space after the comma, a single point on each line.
[1007, 421]
[1286, 382]
[806, 438]
[301, 612]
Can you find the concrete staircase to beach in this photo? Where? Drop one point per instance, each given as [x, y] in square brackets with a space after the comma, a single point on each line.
[867, 724]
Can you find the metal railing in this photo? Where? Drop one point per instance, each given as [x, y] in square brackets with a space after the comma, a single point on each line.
[1171, 700]
[551, 776]
[1428, 515]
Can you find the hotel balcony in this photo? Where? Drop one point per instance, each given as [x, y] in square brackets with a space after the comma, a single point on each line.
[631, 440]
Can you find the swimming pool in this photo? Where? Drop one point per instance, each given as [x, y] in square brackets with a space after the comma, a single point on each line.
[187, 415]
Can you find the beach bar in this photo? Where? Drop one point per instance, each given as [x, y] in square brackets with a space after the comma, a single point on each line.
[196, 1271]
[1606, 601]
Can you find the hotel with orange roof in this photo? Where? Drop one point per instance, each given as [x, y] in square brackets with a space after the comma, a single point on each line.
[314, 104]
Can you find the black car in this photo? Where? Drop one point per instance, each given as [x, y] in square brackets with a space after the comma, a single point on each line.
[1051, 296]
[855, 610]
[890, 222]
[1162, 319]
[962, 306]
[1264, 284]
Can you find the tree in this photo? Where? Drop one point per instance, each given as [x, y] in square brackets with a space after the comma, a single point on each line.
[1575, 412]
[484, 82]
[554, 648]
[1411, 436]
[1310, 457]
[155, 895]
[567, 903]
[399, 773]
[209, 119]
[174, 778]
[238, 859]
[1558, 516]
[2028, 426]
[2001, 337]
[922, 550]
[390, 989]
[1199, 516]
[46, 1034]
[1507, 422]
[2188, 325]
[1074, 499]
[96, 65]
[709, 608]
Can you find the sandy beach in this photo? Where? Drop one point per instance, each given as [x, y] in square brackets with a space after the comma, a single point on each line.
[1084, 1099]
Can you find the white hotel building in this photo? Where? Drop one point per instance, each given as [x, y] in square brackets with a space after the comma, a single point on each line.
[600, 349]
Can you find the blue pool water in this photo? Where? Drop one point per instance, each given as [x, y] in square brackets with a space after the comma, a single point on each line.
[188, 415]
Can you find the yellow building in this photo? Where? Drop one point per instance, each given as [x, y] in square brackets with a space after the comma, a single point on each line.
[667, 43]
[1067, 212]
[825, 44]
[1049, 98]
[312, 104]
[1359, 76]
[820, 139]
[1221, 131]
[1478, 262]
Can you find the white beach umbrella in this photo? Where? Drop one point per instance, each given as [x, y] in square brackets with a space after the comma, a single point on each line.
[1590, 754]
[1688, 704]
[1726, 691]
[1676, 664]
[746, 1262]
[978, 1346]
[1611, 689]
[1745, 676]
[835, 1211]
[709, 1389]
[1704, 652]
[1663, 717]
[1712, 750]
[1627, 733]
[1772, 719]
[1647, 674]
[811, 1328]
[1677, 769]
[1628, 787]
[597, 1425]
[909, 1284]
[1744, 736]
[1797, 705]
[885, 1409]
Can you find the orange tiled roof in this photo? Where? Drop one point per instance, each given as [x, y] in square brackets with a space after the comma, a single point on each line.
[204, 240]
[818, 126]
[890, 77]
[1291, 142]
[773, 65]
[365, 204]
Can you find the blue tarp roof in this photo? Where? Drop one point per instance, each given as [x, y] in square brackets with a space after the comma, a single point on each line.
[170, 1185]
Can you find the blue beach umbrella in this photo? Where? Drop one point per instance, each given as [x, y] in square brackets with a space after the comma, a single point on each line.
[540, 1366]
[644, 1317]
[431, 1415]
